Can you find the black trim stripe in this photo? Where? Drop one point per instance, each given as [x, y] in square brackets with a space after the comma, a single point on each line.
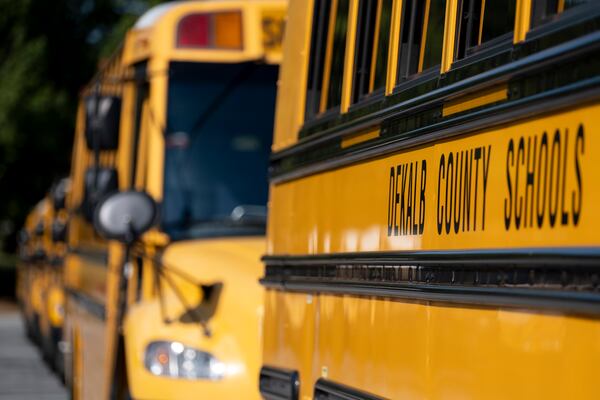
[328, 390]
[91, 305]
[278, 383]
[559, 77]
[565, 280]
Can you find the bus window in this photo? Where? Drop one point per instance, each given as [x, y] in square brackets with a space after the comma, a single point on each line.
[544, 10]
[483, 21]
[334, 72]
[373, 30]
[317, 57]
[421, 36]
[327, 54]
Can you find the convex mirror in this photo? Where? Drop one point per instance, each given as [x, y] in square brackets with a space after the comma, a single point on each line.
[125, 216]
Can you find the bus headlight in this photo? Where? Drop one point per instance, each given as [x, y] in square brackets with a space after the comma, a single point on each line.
[175, 360]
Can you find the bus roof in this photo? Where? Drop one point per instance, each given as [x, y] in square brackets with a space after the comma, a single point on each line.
[155, 35]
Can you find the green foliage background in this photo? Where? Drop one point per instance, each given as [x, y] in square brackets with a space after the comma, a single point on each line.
[48, 51]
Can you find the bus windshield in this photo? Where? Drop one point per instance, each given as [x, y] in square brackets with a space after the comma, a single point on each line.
[217, 141]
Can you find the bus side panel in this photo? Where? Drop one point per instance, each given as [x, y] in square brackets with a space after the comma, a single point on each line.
[530, 184]
[289, 334]
[413, 350]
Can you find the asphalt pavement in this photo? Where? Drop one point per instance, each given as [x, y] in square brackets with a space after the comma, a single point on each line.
[23, 374]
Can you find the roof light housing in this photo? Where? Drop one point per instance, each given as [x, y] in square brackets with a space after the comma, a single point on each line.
[217, 30]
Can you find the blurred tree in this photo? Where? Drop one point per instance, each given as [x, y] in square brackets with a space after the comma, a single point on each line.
[48, 51]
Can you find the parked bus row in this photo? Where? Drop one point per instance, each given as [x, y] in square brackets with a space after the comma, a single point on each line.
[428, 169]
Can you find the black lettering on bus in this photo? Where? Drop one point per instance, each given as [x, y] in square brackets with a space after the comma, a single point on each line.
[529, 186]
[467, 194]
[409, 205]
[540, 214]
[519, 199]
[422, 197]
[415, 225]
[450, 176]
[403, 204]
[508, 201]
[440, 207]
[554, 185]
[564, 216]
[579, 150]
[486, 170]
[391, 202]
[477, 158]
[456, 205]
[397, 200]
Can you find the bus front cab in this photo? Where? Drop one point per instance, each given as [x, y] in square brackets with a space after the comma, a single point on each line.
[181, 316]
[206, 117]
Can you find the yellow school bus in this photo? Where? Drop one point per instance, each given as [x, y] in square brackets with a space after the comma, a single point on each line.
[433, 202]
[55, 236]
[39, 273]
[32, 257]
[178, 121]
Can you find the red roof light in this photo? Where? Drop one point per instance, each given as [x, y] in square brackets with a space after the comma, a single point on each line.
[217, 30]
[194, 31]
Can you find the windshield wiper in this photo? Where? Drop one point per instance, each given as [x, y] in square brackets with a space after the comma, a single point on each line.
[241, 216]
[202, 312]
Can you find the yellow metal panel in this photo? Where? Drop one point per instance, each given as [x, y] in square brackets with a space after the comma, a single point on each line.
[359, 138]
[522, 20]
[291, 93]
[234, 262]
[394, 47]
[426, 350]
[289, 335]
[475, 100]
[359, 207]
[328, 54]
[449, 35]
[375, 45]
[424, 35]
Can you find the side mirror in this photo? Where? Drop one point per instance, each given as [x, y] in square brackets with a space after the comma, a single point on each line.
[99, 183]
[22, 237]
[59, 232]
[103, 114]
[59, 194]
[39, 229]
[125, 216]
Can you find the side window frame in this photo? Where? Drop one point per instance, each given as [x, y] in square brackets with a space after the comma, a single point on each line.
[317, 54]
[414, 21]
[319, 89]
[367, 84]
[463, 48]
[565, 17]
